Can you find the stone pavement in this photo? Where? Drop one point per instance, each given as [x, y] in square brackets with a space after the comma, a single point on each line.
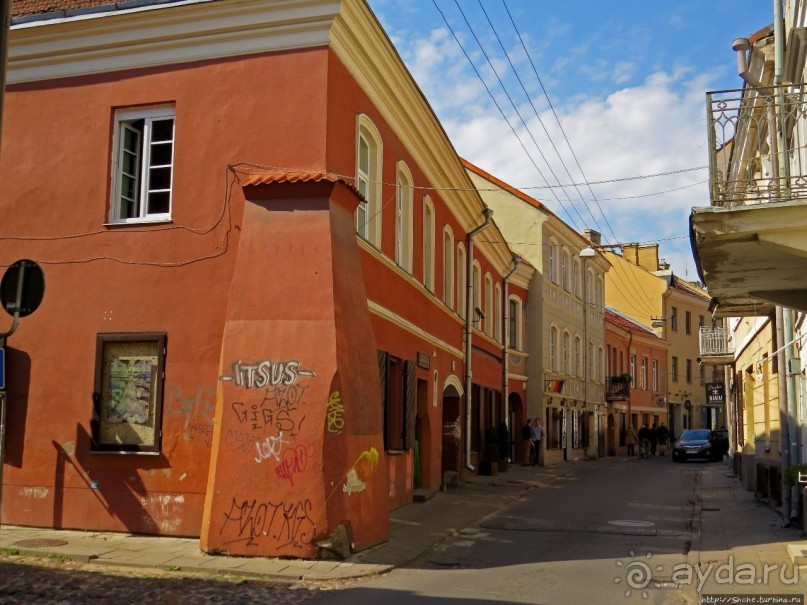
[728, 526]
[414, 530]
[733, 534]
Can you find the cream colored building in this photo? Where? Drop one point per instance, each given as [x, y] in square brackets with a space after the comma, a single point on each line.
[642, 287]
[565, 366]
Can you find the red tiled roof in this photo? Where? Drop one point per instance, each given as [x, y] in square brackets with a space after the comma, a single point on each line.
[267, 177]
[628, 324]
[23, 8]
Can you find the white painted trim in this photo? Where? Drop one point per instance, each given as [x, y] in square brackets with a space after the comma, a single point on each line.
[454, 382]
[407, 325]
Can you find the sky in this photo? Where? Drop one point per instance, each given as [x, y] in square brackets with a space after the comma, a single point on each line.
[584, 97]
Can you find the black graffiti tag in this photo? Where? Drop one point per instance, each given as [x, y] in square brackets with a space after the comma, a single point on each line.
[287, 523]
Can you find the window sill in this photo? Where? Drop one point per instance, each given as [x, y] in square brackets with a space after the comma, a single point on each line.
[122, 453]
[139, 221]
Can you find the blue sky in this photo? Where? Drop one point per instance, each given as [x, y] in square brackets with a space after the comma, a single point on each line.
[626, 81]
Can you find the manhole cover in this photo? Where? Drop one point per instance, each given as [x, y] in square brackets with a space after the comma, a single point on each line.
[627, 523]
[40, 543]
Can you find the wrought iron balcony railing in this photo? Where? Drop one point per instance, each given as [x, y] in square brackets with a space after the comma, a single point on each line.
[745, 166]
[716, 342]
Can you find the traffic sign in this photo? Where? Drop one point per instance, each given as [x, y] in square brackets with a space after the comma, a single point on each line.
[33, 288]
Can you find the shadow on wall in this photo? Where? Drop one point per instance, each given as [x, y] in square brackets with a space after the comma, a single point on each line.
[18, 381]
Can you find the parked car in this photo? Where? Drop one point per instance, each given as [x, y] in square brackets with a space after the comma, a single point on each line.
[699, 443]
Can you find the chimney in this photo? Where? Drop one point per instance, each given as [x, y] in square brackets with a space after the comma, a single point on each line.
[593, 236]
[643, 255]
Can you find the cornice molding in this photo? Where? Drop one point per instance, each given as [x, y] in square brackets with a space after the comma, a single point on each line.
[407, 325]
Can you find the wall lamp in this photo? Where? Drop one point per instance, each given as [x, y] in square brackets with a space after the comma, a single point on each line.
[479, 315]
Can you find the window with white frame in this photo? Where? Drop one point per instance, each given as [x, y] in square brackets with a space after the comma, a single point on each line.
[576, 277]
[477, 285]
[488, 305]
[497, 313]
[566, 352]
[369, 152]
[448, 267]
[590, 360]
[655, 374]
[564, 270]
[403, 217]
[428, 243]
[462, 283]
[643, 377]
[553, 262]
[143, 164]
[514, 323]
[578, 350]
[633, 370]
[553, 349]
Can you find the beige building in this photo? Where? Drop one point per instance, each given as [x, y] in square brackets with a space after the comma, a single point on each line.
[566, 350]
[646, 289]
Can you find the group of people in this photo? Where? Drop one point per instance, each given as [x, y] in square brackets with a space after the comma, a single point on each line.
[531, 437]
[650, 440]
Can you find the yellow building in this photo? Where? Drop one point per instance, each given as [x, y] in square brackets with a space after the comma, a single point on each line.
[645, 288]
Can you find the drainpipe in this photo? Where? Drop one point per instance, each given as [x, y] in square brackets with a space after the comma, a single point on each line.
[789, 439]
[784, 421]
[506, 340]
[469, 313]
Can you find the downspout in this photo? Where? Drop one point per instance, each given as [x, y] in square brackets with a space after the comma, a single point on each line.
[469, 291]
[790, 455]
[784, 422]
[506, 340]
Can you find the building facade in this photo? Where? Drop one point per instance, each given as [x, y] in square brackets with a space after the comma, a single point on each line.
[260, 322]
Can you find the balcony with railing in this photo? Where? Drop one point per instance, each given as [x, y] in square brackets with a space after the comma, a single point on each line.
[716, 345]
[749, 244]
[617, 388]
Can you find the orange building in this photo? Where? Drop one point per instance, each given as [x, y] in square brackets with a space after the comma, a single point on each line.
[636, 378]
[266, 320]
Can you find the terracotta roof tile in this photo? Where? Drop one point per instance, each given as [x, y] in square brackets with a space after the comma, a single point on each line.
[293, 176]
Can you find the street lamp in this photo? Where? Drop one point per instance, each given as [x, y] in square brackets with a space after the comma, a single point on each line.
[586, 253]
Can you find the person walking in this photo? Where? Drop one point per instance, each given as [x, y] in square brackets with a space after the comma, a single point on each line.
[663, 436]
[653, 439]
[537, 436]
[644, 441]
[526, 443]
[631, 439]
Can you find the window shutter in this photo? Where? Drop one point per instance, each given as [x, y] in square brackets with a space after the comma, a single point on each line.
[409, 414]
[383, 370]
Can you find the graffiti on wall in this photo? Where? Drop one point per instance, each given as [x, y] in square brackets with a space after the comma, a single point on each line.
[266, 373]
[288, 523]
[271, 447]
[336, 414]
[293, 462]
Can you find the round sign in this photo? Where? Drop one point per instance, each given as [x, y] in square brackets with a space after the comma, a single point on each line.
[33, 287]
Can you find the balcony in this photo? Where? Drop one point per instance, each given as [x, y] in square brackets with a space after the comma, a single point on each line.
[750, 244]
[716, 346]
[617, 388]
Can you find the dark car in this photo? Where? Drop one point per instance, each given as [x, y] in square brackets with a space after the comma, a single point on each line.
[698, 443]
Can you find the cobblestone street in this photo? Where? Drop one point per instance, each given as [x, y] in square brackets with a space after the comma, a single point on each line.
[55, 580]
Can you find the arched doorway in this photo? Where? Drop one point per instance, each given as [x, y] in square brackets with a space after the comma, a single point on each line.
[451, 458]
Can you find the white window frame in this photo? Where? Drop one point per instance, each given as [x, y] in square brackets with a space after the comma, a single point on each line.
[514, 316]
[477, 286]
[488, 321]
[404, 193]
[553, 262]
[632, 362]
[564, 270]
[497, 312]
[566, 352]
[462, 284]
[370, 228]
[428, 243]
[655, 375]
[643, 376]
[578, 354]
[140, 199]
[553, 348]
[448, 267]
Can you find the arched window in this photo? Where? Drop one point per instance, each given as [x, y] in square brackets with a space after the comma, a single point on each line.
[477, 282]
[448, 267]
[514, 323]
[564, 270]
[566, 353]
[576, 277]
[428, 243]
[578, 351]
[403, 217]
[553, 263]
[489, 319]
[462, 284]
[369, 152]
[553, 349]
[497, 313]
